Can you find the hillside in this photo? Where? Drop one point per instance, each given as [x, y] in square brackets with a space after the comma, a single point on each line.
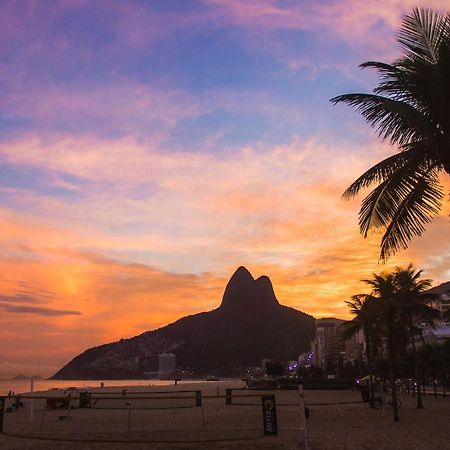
[249, 325]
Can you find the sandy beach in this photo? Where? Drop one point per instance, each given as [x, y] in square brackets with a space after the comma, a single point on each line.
[216, 425]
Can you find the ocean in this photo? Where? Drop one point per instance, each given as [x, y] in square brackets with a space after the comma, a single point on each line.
[22, 386]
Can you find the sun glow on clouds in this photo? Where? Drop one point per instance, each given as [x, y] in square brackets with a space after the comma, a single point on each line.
[139, 169]
[118, 260]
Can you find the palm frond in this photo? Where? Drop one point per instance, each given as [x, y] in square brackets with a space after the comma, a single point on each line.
[422, 33]
[420, 204]
[408, 81]
[350, 328]
[380, 172]
[410, 108]
[395, 80]
[380, 206]
[393, 119]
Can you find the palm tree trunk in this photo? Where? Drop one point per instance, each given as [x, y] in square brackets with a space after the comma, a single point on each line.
[370, 367]
[391, 356]
[419, 404]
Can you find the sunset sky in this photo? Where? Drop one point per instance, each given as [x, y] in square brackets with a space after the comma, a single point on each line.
[149, 148]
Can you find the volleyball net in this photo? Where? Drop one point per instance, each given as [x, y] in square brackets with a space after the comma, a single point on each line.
[101, 413]
[150, 416]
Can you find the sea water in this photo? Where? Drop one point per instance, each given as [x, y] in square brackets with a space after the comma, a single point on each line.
[22, 386]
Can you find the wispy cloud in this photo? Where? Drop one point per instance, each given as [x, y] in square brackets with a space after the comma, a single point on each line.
[48, 312]
[20, 298]
[147, 150]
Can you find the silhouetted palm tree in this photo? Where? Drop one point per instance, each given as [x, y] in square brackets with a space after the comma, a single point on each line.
[364, 308]
[384, 292]
[410, 107]
[413, 307]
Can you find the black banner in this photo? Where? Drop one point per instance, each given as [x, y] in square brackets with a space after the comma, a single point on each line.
[269, 415]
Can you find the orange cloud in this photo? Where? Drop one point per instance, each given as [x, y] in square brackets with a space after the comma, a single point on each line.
[118, 255]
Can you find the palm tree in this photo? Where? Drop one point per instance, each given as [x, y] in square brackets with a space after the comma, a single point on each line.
[364, 308]
[410, 108]
[413, 307]
[384, 292]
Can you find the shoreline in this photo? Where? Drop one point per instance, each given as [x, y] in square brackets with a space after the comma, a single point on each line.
[23, 386]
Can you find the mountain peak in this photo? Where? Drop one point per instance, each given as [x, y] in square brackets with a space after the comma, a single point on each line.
[241, 278]
[242, 275]
[243, 289]
[264, 291]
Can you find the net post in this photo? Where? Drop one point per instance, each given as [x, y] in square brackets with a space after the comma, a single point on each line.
[69, 398]
[303, 415]
[203, 417]
[228, 396]
[32, 401]
[42, 420]
[217, 403]
[2, 412]
[198, 398]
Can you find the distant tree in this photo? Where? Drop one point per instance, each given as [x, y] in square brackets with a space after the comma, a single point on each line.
[390, 313]
[412, 309]
[410, 107]
[435, 359]
[313, 372]
[365, 309]
[316, 372]
[275, 369]
[384, 292]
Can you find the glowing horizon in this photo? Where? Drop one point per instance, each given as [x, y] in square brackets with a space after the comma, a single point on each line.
[150, 148]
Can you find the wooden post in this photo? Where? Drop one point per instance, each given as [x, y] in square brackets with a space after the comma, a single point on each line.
[69, 409]
[217, 403]
[303, 416]
[31, 401]
[2, 412]
[42, 420]
[435, 388]
[228, 396]
[198, 398]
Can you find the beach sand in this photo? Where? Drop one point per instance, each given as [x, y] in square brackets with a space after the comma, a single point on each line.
[331, 427]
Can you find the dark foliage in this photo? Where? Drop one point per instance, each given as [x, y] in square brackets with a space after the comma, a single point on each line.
[410, 108]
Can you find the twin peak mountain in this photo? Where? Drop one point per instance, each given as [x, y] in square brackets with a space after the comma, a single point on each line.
[249, 325]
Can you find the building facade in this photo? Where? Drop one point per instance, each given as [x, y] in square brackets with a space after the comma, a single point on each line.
[166, 364]
[441, 302]
[328, 344]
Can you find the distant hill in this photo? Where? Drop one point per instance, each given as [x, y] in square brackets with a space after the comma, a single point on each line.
[249, 325]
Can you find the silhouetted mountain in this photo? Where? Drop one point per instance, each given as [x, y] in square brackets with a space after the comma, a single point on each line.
[249, 325]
